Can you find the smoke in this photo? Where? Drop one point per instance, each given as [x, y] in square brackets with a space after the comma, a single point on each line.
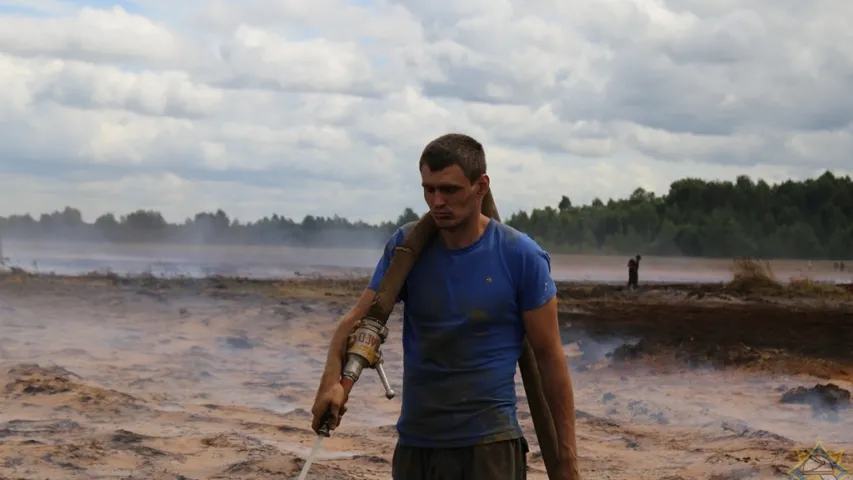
[190, 260]
[584, 349]
[207, 244]
[179, 349]
[212, 243]
[634, 384]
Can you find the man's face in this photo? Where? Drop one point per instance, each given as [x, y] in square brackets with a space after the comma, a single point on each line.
[451, 197]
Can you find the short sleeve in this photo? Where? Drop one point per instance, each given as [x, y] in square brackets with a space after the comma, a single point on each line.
[385, 261]
[536, 284]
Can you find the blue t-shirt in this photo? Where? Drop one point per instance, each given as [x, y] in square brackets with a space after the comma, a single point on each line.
[463, 334]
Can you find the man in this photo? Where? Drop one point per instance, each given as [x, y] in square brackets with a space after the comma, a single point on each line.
[633, 271]
[471, 298]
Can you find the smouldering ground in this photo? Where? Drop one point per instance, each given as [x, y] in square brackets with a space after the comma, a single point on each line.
[212, 379]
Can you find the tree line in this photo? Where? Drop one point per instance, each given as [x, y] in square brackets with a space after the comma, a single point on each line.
[812, 219]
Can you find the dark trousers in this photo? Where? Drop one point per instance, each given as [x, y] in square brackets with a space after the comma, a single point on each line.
[504, 460]
[633, 276]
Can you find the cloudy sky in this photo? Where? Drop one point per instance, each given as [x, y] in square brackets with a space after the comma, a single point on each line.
[323, 106]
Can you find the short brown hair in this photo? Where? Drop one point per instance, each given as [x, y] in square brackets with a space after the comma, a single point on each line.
[455, 149]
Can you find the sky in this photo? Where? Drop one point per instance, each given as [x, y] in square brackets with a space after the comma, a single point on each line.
[322, 107]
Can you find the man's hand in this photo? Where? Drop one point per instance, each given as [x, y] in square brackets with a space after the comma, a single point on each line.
[330, 402]
[569, 470]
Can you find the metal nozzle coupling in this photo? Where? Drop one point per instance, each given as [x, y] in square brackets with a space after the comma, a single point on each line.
[364, 353]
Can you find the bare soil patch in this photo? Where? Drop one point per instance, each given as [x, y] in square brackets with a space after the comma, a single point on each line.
[104, 376]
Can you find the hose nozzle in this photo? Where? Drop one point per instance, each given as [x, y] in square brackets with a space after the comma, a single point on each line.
[363, 352]
[325, 426]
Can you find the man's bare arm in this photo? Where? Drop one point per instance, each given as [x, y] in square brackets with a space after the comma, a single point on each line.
[338, 346]
[543, 335]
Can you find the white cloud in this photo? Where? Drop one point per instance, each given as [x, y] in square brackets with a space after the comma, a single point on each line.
[322, 107]
[88, 86]
[257, 58]
[112, 35]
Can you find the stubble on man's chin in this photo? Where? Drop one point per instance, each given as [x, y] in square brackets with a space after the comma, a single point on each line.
[448, 227]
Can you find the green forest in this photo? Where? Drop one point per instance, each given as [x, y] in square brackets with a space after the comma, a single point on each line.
[793, 219]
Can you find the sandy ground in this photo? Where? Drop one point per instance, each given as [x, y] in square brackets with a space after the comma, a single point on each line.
[208, 379]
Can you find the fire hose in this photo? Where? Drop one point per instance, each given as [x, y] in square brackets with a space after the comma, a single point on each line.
[371, 331]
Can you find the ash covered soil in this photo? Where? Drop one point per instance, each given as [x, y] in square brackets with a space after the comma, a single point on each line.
[105, 377]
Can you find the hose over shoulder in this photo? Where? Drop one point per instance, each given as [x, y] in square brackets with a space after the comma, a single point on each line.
[401, 264]
[540, 413]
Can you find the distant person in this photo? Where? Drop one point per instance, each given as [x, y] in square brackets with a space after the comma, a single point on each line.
[634, 271]
[841, 266]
